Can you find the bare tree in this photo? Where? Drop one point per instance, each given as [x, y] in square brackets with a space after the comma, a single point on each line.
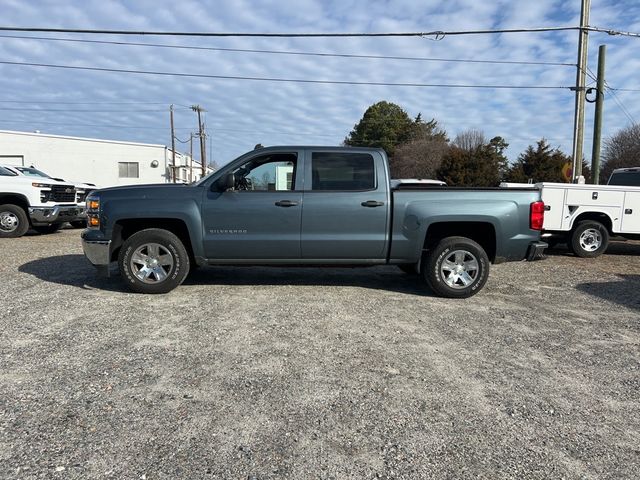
[469, 140]
[621, 150]
[419, 158]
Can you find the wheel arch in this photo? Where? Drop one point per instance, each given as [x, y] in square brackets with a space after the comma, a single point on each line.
[481, 232]
[601, 217]
[15, 199]
[125, 228]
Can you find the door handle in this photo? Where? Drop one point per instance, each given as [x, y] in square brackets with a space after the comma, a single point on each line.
[628, 211]
[286, 203]
[372, 203]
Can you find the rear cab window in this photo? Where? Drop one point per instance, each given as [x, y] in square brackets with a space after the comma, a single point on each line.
[628, 179]
[342, 171]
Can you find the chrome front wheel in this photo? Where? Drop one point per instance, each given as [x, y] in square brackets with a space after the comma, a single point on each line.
[151, 263]
[9, 222]
[153, 260]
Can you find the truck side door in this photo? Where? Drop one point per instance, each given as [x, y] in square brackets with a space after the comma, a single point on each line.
[346, 205]
[260, 217]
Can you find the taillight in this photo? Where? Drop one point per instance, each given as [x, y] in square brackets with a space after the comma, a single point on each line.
[536, 216]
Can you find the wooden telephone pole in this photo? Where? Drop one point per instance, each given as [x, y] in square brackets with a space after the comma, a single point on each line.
[597, 120]
[581, 77]
[173, 146]
[201, 134]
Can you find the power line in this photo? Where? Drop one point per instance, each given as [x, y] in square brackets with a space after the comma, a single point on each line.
[289, 52]
[614, 32]
[38, 122]
[58, 102]
[435, 33]
[626, 89]
[80, 111]
[214, 129]
[283, 80]
[619, 103]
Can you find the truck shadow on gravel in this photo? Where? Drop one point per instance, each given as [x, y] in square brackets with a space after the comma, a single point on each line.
[623, 292]
[76, 271]
[72, 270]
[387, 278]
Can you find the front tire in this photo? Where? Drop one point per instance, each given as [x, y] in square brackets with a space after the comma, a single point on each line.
[589, 239]
[153, 261]
[14, 222]
[457, 267]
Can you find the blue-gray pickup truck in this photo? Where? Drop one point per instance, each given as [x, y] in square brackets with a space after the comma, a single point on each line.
[311, 206]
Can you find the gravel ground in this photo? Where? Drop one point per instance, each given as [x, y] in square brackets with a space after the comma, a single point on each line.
[318, 373]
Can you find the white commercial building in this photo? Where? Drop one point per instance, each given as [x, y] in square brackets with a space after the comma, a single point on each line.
[105, 163]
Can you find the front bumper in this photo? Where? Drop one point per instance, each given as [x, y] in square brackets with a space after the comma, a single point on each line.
[536, 250]
[97, 251]
[56, 214]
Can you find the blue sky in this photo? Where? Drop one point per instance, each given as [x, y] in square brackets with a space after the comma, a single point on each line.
[243, 113]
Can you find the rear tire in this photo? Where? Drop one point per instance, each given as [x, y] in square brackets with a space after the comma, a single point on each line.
[589, 239]
[457, 267]
[47, 229]
[153, 261]
[14, 221]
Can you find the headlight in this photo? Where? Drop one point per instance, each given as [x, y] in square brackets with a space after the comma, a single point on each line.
[41, 185]
[93, 212]
[93, 203]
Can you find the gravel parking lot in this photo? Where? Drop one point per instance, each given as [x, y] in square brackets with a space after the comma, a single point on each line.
[318, 373]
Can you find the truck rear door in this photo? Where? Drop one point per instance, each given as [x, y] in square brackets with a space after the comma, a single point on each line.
[346, 205]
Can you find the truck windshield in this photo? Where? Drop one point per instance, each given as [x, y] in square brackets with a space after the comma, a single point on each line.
[629, 179]
[32, 172]
[5, 172]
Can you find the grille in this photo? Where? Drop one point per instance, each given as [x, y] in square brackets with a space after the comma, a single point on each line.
[82, 194]
[63, 193]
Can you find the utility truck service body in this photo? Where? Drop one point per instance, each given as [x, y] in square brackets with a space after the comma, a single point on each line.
[314, 206]
[586, 216]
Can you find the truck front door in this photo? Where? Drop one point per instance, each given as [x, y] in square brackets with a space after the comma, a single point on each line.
[260, 217]
[346, 205]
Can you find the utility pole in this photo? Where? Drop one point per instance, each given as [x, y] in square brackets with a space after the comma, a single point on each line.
[597, 121]
[203, 155]
[173, 147]
[190, 157]
[581, 77]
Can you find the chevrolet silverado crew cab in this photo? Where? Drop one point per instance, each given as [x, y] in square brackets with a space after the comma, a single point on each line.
[41, 203]
[311, 206]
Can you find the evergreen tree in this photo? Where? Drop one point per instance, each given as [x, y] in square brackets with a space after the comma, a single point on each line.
[383, 125]
[539, 164]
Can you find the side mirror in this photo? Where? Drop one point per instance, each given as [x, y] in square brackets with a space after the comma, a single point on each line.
[224, 183]
[229, 181]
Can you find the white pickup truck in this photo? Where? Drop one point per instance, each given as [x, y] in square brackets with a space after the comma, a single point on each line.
[586, 216]
[43, 204]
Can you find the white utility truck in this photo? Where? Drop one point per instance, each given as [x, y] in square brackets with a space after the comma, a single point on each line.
[586, 216]
[41, 203]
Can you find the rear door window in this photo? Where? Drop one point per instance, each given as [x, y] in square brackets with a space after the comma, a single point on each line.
[339, 171]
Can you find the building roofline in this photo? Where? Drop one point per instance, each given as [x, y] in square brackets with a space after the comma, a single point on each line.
[85, 139]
